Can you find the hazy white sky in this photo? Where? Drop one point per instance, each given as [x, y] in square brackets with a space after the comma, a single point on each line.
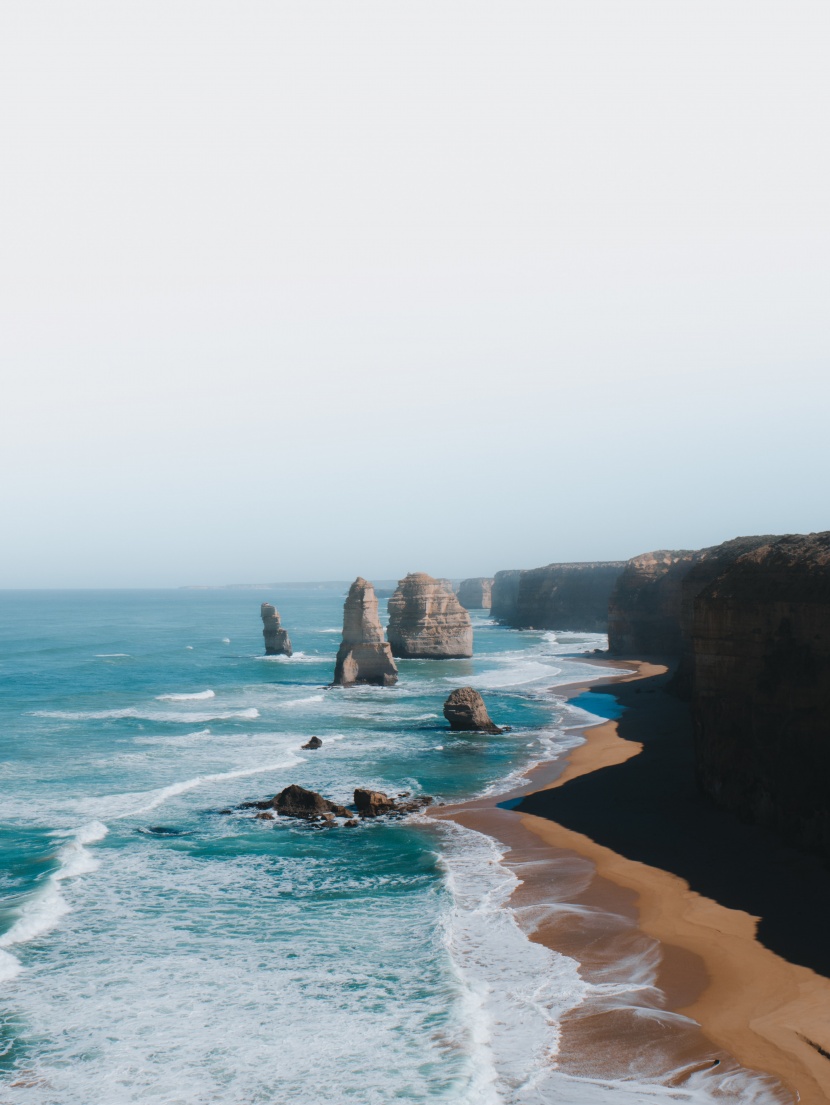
[301, 290]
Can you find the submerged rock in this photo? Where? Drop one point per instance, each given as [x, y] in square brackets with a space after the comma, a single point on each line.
[315, 742]
[426, 621]
[476, 594]
[277, 642]
[466, 712]
[296, 801]
[364, 656]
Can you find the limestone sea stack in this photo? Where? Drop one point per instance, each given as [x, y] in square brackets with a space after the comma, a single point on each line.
[475, 594]
[277, 642]
[427, 622]
[466, 712]
[364, 656]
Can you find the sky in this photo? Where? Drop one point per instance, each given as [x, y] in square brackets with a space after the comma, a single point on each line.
[301, 290]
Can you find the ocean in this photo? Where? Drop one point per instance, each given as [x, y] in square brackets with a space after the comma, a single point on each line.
[155, 948]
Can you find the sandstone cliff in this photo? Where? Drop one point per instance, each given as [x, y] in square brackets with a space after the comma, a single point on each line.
[644, 607]
[475, 594]
[761, 688]
[558, 596]
[707, 565]
[504, 595]
[426, 621]
[364, 656]
[276, 638]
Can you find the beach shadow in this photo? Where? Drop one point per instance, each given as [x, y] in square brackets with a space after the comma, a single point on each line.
[648, 809]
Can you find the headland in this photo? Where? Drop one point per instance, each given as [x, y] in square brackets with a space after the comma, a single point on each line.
[628, 869]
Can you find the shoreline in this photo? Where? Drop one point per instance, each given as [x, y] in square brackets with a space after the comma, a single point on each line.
[740, 1004]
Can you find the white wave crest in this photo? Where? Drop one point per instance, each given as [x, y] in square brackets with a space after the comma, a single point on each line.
[197, 695]
[43, 909]
[144, 715]
[154, 798]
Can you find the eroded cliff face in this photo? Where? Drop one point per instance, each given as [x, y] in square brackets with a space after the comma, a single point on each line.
[707, 565]
[558, 596]
[566, 596]
[426, 621]
[476, 594]
[504, 595]
[644, 606]
[761, 688]
[277, 642]
[364, 656]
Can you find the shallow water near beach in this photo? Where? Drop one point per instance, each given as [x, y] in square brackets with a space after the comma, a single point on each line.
[154, 949]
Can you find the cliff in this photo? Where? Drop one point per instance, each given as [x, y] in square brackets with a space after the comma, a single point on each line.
[504, 595]
[559, 596]
[644, 606]
[706, 567]
[426, 621]
[276, 638]
[364, 656]
[476, 594]
[761, 688]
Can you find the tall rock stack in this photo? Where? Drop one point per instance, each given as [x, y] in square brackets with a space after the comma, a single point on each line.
[277, 642]
[427, 622]
[364, 656]
[476, 594]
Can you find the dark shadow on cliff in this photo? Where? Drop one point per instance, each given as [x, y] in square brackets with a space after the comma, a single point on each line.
[648, 809]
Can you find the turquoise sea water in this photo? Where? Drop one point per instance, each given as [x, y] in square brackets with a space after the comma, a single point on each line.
[156, 950]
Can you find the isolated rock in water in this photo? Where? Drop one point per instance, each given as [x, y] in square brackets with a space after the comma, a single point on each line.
[364, 656]
[296, 801]
[476, 594]
[372, 803]
[426, 621]
[276, 638]
[315, 742]
[465, 711]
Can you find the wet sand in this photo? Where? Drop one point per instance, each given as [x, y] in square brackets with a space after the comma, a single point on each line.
[626, 869]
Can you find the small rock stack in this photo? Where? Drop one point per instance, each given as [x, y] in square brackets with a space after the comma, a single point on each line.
[277, 642]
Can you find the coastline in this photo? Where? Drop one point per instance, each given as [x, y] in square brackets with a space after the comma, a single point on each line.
[594, 897]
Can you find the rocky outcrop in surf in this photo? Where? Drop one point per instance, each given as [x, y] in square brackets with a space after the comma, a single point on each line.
[296, 801]
[277, 642]
[761, 688]
[364, 656]
[426, 621]
[374, 803]
[476, 594]
[466, 712]
[559, 596]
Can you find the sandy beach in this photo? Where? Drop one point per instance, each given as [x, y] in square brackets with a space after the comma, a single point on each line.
[626, 869]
